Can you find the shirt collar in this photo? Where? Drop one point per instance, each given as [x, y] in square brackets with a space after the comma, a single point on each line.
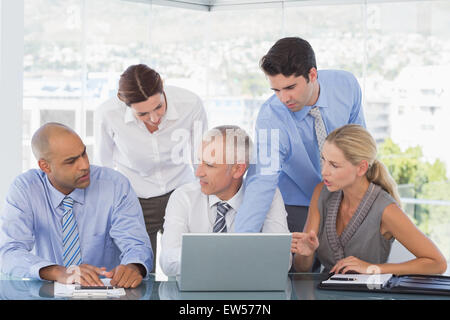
[322, 102]
[234, 202]
[56, 197]
[129, 115]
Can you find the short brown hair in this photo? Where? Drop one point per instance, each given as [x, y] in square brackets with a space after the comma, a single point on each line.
[138, 83]
[289, 56]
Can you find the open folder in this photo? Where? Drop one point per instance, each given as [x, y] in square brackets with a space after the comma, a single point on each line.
[388, 283]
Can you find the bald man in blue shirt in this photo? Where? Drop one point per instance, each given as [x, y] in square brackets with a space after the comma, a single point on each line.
[71, 222]
[288, 152]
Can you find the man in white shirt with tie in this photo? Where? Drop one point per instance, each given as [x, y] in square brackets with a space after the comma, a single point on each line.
[210, 204]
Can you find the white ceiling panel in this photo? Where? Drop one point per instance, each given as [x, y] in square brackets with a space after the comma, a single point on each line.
[211, 5]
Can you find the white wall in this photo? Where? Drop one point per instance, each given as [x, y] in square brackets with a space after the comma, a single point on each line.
[11, 79]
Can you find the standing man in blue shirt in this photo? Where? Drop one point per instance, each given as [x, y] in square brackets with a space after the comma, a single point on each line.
[288, 152]
[71, 222]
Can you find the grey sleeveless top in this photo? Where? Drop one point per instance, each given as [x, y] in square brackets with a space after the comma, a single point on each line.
[361, 237]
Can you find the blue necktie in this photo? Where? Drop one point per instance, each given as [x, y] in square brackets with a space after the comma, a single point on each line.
[71, 239]
[220, 224]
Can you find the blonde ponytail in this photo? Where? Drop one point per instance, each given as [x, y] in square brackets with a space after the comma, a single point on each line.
[378, 174]
[357, 144]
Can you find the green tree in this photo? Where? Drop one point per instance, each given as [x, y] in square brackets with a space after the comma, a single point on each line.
[417, 178]
[408, 167]
[435, 223]
[403, 166]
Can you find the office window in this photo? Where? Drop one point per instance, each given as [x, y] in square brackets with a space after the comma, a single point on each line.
[408, 45]
[216, 56]
[337, 40]
[75, 51]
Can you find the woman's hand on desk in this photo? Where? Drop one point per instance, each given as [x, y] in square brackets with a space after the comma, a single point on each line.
[354, 265]
[304, 244]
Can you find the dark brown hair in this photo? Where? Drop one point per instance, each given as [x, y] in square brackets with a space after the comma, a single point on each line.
[138, 83]
[289, 56]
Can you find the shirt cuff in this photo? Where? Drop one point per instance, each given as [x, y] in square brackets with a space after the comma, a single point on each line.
[34, 269]
[137, 261]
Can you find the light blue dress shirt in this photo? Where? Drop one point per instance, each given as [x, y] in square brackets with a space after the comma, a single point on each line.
[289, 158]
[110, 224]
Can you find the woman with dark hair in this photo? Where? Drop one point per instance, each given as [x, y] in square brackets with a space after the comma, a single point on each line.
[150, 133]
[355, 214]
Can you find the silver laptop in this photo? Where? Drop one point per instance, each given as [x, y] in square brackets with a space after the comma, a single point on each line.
[234, 261]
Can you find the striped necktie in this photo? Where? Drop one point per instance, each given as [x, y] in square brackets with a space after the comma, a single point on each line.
[71, 241]
[319, 127]
[220, 224]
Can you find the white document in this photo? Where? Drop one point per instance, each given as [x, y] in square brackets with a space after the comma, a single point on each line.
[376, 280]
[69, 290]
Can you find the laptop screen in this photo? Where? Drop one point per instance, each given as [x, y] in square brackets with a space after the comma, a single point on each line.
[234, 261]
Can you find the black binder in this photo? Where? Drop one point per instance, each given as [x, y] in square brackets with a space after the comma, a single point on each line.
[414, 283]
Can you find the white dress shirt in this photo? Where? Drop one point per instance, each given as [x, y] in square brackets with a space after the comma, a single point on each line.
[191, 211]
[155, 163]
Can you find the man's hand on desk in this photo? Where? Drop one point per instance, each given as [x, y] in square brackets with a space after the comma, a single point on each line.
[84, 274]
[126, 276]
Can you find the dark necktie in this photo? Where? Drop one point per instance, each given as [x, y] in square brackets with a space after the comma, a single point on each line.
[220, 224]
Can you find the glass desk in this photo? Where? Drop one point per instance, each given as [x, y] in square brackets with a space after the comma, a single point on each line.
[299, 286]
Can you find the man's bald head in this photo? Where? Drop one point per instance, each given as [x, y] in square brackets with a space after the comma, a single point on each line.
[41, 141]
[62, 157]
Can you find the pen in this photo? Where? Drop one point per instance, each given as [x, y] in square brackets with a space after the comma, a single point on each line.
[343, 279]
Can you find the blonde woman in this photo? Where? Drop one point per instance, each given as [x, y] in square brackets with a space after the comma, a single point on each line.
[355, 214]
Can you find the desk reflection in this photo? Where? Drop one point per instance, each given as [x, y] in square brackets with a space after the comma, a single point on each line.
[168, 290]
[298, 287]
[305, 288]
[38, 290]
[25, 290]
